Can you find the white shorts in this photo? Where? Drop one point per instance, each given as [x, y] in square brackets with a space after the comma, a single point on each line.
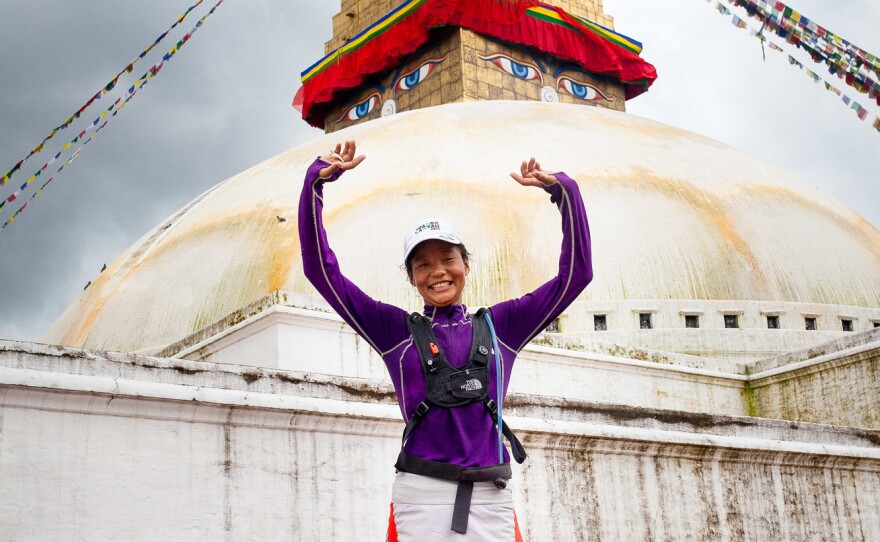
[421, 510]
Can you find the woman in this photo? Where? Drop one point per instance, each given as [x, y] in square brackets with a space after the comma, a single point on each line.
[452, 468]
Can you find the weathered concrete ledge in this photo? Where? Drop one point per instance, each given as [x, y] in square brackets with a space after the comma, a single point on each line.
[835, 382]
[810, 385]
[848, 342]
[42, 366]
[110, 446]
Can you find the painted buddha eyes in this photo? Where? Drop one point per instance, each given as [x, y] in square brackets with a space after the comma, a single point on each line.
[362, 109]
[583, 91]
[520, 70]
[416, 76]
[402, 83]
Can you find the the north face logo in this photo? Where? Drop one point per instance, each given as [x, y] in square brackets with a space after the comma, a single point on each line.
[472, 385]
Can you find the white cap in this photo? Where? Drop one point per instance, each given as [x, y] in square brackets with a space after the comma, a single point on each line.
[432, 228]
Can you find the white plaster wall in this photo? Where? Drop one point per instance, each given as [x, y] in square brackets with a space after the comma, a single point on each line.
[119, 447]
[293, 339]
[669, 314]
[837, 382]
[87, 467]
[595, 377]
[729, 347]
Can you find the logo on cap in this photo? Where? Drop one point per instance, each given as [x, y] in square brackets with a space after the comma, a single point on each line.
[433, 225]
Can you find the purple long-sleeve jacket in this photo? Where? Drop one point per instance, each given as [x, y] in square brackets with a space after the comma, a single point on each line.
[464, 436]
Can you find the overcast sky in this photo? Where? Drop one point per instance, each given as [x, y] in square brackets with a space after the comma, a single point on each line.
[223, 104]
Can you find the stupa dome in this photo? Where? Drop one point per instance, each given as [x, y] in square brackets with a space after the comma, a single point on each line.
[675, 218]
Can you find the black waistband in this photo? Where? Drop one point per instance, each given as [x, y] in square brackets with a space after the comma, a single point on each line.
[454, 473]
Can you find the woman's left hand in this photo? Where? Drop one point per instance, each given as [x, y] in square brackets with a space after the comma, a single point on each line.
[531, 174]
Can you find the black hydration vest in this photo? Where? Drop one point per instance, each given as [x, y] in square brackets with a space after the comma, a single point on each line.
[451, 387]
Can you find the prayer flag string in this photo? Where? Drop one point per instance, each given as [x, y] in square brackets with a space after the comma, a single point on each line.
[131, 93]
[857, 67]
[97, 96]
[860, 80]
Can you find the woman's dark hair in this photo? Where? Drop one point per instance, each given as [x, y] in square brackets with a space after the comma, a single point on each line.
[465, 255]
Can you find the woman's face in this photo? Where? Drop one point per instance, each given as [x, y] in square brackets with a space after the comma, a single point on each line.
[438, 272]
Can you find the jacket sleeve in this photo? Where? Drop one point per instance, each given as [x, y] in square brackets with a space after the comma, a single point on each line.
[380, 324]
[518, 321]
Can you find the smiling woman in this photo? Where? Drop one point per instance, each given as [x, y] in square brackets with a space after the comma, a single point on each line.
[439, 359]
[436, 262]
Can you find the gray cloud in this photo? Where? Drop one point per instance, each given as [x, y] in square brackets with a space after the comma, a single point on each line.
[223, 104]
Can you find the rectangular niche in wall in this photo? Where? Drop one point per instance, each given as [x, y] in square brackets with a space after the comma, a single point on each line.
[600, 322]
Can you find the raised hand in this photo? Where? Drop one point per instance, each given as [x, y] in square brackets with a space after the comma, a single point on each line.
[341, 158]
[531, 174]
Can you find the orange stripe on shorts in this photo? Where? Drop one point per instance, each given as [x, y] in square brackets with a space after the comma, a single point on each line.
[518, 536]
[392, 527]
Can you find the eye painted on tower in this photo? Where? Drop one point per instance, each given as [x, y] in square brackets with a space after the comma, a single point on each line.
[413, 78]
[362, 109]
[583, 91]
[521, 70]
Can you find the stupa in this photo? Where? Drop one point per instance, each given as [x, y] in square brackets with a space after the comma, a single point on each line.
[692, 238]
[732, 313]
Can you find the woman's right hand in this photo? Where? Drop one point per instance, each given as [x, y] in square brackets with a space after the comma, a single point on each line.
[341, 158]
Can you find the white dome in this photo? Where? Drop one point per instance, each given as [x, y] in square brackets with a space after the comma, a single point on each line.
[674, 216]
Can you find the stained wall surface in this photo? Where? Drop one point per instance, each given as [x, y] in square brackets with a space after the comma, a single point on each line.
[835, 382]
[109, 446]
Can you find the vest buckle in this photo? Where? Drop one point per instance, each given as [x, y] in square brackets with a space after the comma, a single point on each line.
[422, 409]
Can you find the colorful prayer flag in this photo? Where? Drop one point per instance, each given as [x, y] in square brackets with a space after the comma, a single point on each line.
[104, 90]
[76, 153]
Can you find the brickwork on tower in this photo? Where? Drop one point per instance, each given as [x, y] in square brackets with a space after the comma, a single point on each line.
[356, 15]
